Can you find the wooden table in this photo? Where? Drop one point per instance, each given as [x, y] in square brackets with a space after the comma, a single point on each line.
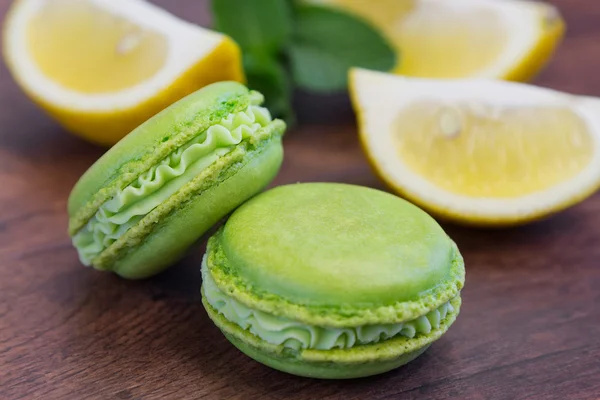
[529, 328]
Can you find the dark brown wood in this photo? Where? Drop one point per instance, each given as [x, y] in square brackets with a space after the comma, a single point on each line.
[529, 328]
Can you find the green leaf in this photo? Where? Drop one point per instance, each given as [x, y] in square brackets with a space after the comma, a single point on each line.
[327, 42]
[263, 25]
[262, 28]
[266, 75]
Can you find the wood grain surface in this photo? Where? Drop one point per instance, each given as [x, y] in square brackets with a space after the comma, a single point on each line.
[529, 328]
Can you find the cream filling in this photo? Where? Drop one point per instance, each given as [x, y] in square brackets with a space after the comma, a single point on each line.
[297, 335]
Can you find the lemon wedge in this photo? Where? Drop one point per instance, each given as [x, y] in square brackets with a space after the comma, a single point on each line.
[101, 67]
[479, 151]
[508, 39]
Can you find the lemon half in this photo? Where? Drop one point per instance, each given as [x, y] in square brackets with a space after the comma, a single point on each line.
[479, 151]
[504, 39]
[101, 67]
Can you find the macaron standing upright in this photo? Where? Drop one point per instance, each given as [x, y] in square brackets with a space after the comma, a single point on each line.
[331, 280]
[145, 201]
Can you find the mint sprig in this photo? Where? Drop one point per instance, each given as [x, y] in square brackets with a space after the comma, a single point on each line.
[289, 44]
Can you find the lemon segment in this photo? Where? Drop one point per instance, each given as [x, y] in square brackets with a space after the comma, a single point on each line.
[479, 151]
[448, 44]
[108, 127]
[84, 48]
[102, 67]
[510, 39]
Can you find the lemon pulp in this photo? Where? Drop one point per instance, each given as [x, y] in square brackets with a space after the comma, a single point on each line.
[89, 50]
[381, 13]
[459, 40]
[480, 150]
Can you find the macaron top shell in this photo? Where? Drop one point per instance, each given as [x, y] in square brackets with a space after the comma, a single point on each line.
[335, 255]
[151, 142]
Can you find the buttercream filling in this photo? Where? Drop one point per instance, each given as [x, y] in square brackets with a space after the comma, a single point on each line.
[164, 179]
[297, 335]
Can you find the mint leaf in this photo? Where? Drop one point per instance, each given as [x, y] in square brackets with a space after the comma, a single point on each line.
[327, 42]
[256, 25]
[266, 75]
[262, 28]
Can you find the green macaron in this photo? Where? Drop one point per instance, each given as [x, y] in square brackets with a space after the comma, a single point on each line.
[331, 280]
[145, 201]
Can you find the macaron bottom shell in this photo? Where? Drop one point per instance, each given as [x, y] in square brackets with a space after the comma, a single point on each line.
[324, 370]
[164, 235]
[356, 362]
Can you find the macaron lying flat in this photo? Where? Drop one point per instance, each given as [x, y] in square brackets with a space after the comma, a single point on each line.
[331, 280]
[152, 195]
